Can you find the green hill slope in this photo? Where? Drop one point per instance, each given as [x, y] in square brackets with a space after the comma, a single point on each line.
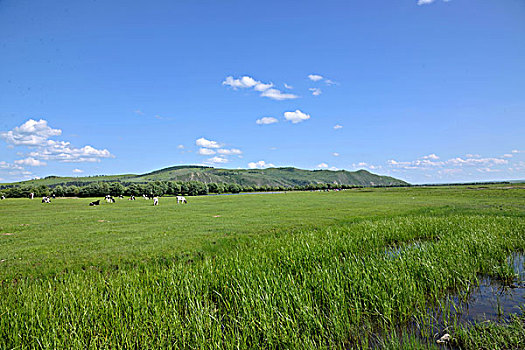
[286, 177]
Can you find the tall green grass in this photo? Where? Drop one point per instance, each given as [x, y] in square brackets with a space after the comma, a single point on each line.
[312, 288]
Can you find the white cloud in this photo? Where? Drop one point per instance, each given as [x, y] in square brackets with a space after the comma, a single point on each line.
[217, 160]
[206, 151]
[515, 151]
[315, 77]
[259, 165]
[275, 94]
[30, 162]
[232, 151]
[202, 142]
[262, 86]
[431, 156]
[242, 83]
[31, 133]
[330, 82]
[139, 112]
[36, 134]
[507, 155]
[180, 146]
[476, 161]
[452, 166]
[64, 152]
[247, 82]
[316, 91]
[266, 120]
[322, 165]
[296, 117]
[337, 127]
[5, 165]
[488, 170]
[335, 154]
[288, 86]
[78, 171]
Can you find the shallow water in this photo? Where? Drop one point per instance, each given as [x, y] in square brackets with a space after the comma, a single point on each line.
[492, 300]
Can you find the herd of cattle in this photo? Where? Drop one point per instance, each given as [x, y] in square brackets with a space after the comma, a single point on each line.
[110, 199]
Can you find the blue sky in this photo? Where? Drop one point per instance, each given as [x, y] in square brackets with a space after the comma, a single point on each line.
[428, 91]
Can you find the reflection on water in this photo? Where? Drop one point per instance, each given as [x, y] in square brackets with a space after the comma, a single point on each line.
[492, 300]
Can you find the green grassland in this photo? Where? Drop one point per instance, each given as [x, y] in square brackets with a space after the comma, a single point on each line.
[286, 177]
[286, 270]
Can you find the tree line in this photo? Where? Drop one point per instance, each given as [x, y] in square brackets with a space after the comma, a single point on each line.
[154, 188]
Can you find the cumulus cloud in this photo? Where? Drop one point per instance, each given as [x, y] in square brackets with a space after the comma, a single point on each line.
[31, 133]
[335, 154]
[322, 165]
[275, 94]
[452, 166]
[209, 148]
[202, 142]
[36, 135]
[316, 91]
[30, 162]
[241, 83]
[9, 166]
[259, 165]
[78, 171]
[228, 152]
[337, 127]
[262, 86]
[266, 89]
[266, 120]
[289, 87]
[217, 160]
[206, 151]
[64, 152]
[315, 77]
[431, 156]
[296, 117]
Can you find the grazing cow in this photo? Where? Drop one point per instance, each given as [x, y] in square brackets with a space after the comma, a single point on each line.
[3, 197]
[181, 199]
[110, 199]
[155, 201]
[121, 196]
[95, 203]
[46, 200]
[132, 198]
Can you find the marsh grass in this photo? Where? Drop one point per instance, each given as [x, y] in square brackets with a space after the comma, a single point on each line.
[321, 286]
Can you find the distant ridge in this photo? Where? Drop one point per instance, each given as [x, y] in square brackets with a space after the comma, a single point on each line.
[285, 177]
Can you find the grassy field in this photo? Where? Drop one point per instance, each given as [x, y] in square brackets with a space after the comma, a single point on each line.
[295, 270]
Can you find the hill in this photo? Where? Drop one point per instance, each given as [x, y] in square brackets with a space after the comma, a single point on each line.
[286, 177]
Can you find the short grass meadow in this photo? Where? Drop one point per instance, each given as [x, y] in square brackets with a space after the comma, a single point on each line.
[351, 269]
